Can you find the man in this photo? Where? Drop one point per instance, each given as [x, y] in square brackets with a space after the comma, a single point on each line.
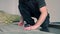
[37, 9]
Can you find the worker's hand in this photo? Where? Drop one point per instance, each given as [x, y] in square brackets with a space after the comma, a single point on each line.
[20, 23]
[31, 28]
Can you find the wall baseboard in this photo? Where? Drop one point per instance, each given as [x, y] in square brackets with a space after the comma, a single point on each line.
[55, 25]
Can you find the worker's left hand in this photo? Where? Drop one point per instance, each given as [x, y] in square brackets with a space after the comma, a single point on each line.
[30, 28]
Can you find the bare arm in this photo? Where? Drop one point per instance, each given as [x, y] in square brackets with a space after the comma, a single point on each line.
[42, 17]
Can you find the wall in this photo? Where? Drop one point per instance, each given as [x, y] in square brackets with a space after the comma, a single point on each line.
[9, 6]
[54, 10]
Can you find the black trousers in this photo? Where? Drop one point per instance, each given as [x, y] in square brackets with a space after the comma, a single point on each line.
[28, 10]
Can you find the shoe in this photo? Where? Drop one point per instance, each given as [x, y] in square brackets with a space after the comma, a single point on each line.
[45, 30]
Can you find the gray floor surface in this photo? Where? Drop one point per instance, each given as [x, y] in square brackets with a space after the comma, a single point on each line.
[15, 29]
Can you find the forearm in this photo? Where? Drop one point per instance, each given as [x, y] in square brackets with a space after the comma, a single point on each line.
[42, 17]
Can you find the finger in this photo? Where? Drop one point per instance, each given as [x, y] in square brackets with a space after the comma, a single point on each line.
[27, 28]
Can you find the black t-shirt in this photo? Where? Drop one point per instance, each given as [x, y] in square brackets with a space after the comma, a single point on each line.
[31, 6]
[33, 3]
[41, 3]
